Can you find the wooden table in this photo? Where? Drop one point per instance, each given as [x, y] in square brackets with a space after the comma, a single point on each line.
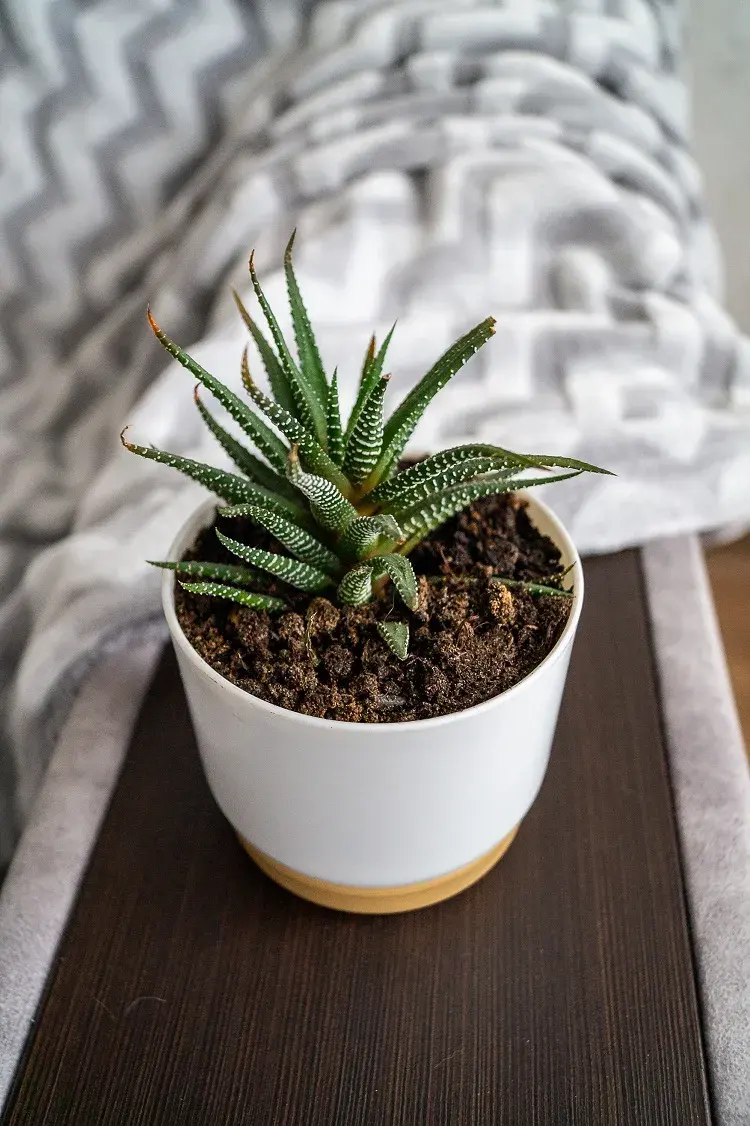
[560, 990]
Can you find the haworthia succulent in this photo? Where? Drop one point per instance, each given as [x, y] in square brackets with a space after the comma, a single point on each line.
[277, 379]
[302, 545]
[403, 421]
[330, 507]
[244, 597]
[430, 467]
[365, 442]
[309, 407]
[337, 502]
[269, 444]
[424, 517]
[401, 574]
[536, 588]
[369, 534]
[413, 491]
[315, 456]
[371, 372]
[356, 586]
[333, 414]
[307, 348]
[229, 486]
[214, 572]
[292, 571]
[396, 637]
[250, 465]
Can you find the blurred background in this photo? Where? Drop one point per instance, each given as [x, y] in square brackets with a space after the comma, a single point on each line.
[719, 82]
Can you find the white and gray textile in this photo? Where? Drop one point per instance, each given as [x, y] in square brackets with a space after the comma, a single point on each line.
[442, 159]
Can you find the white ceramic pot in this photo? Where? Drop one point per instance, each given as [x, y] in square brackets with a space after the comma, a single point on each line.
[375, 817]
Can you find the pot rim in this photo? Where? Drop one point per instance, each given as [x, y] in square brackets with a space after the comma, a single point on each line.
[195, 521]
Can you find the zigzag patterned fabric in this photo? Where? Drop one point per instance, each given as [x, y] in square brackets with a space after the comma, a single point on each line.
[443, 159]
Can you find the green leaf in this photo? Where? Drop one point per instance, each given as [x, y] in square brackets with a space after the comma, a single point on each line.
[401, 574]
[335, 434]
[309, 406]
[414, 491]
[370, 534]
[295, 539]
[269, 444]
[330, 508]
[250, 465]
[536, 588]
[396, 637]
[454, 457]
[365, 442]
[315, 456]
[292, 571]
[424, 517]
[542, 461]
[307, 348]
[229, 486]
[403, 421]
[216, 572]
[356, 586]
[243, 597]
[277, 379]
[371, 372]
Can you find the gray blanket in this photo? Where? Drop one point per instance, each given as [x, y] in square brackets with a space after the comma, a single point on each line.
[442, 159]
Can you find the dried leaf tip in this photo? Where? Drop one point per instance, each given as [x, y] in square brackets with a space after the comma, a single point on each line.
[123, 432]
[154, 326]
[247, 379]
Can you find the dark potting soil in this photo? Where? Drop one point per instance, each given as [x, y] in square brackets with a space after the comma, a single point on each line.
[471, 638]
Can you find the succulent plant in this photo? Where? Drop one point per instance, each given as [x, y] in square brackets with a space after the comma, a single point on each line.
[337, 499]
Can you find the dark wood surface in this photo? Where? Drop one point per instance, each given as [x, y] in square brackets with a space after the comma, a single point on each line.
[559, 990]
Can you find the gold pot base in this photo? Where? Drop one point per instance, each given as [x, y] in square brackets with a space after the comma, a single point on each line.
[378, 900]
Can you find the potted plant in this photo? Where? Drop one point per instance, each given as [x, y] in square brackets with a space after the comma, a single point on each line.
[373, 650]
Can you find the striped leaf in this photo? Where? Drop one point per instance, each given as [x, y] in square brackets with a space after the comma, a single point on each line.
[276, 377]
[365, 442]
[369, 534]
[250, 465]
[402, 423]
[424, 517]
[369, 357]
[292, 571]
[356, 586]
[396, 637]
[243, 597]
[371, 372]
[329, 506]
[229, 486]
[430, 467]
[302, 545]
[307, 348]
[315, 456]
[215, 572]
[309, 406]
[401, 574]
[411, 494]
[269, 444]
[333, 413]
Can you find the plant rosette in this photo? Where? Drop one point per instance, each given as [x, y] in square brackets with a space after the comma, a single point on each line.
[361, 816]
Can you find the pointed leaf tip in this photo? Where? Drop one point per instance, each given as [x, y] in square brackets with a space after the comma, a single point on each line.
[396, 637]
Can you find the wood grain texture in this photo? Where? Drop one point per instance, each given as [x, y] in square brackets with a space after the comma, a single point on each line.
[559, 990]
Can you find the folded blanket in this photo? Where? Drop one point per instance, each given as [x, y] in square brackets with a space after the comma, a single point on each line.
[443, 160]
